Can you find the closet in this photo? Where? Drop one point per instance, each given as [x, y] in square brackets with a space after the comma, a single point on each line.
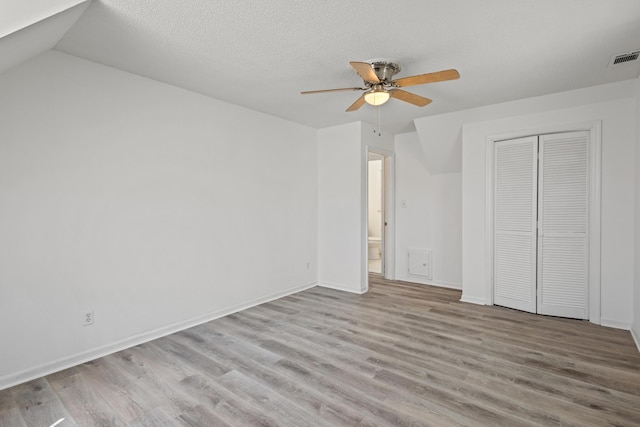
[541, 224]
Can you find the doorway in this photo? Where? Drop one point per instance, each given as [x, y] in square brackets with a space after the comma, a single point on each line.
[376, 213]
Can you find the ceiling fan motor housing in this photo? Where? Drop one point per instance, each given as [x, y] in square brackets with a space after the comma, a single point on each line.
[385, 70]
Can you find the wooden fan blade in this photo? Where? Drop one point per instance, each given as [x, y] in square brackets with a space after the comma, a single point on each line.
[409, 97]
[366, 71]
[438, 76]
[309, 92]
[359, 103]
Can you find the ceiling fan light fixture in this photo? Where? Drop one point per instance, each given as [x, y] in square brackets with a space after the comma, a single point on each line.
[379, 86]
[376, 97]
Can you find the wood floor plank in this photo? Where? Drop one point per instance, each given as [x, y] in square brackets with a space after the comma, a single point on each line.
[446, 377]
[84, 403]
[6, 400]
[223, 403]
[259, 364]
[39, 405]
[264, 398]
[11, 418]
[202, 416]
[157, 417]
[116, 388]
[401, 354]
[534, 355]
[209, 387]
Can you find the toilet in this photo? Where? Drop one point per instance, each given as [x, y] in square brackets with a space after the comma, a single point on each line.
[375, 247]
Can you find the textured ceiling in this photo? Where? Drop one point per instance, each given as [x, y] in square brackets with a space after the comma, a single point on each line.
[262, 54]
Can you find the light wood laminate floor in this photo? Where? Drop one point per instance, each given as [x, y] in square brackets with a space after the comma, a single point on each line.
[402, 354]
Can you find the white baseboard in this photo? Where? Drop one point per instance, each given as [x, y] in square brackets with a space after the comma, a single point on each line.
[341, 287]
[10, 380]
[439, 283]
[610, 323]
[636, 338]
[473, 300]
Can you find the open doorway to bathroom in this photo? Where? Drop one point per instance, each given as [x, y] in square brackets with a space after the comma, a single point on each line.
[376, 213]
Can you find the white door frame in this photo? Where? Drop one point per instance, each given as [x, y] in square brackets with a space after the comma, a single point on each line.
[595, 147]
[382, 191]
[389, 215]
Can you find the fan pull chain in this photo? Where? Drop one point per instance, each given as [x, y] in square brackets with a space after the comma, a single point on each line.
[379, 131]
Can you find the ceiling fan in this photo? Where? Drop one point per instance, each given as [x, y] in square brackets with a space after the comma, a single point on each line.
[379, 85]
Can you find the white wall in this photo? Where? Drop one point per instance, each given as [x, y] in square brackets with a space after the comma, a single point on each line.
[428, 214]
[635, 330]
[441, 140]
[446, 226]
[153, 206]
[339, 207]
[342, 203]
[617, 213]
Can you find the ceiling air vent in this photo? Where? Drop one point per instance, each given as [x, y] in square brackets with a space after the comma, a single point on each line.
[624, 58]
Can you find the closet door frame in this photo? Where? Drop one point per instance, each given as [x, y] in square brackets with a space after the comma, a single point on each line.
[595, 149]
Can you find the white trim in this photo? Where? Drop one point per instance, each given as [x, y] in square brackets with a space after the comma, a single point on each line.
[473, 300]
[12, 379]
[594, 128]
[390, 218]
[490, 149]
[611, 323]
[636, 338]
[341, 287]
[595, 187]
[438, 283]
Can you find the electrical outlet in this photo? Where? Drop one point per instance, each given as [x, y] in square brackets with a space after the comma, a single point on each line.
[88, 318]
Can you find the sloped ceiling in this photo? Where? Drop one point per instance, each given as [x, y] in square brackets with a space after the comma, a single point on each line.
[262, 54]
[18, 14]
[29, 28]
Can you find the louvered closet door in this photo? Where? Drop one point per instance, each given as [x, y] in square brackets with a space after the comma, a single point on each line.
[563, 234]
[515, 223]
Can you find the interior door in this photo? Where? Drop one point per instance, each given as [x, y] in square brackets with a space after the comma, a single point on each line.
[515, 211]
[563, 233]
